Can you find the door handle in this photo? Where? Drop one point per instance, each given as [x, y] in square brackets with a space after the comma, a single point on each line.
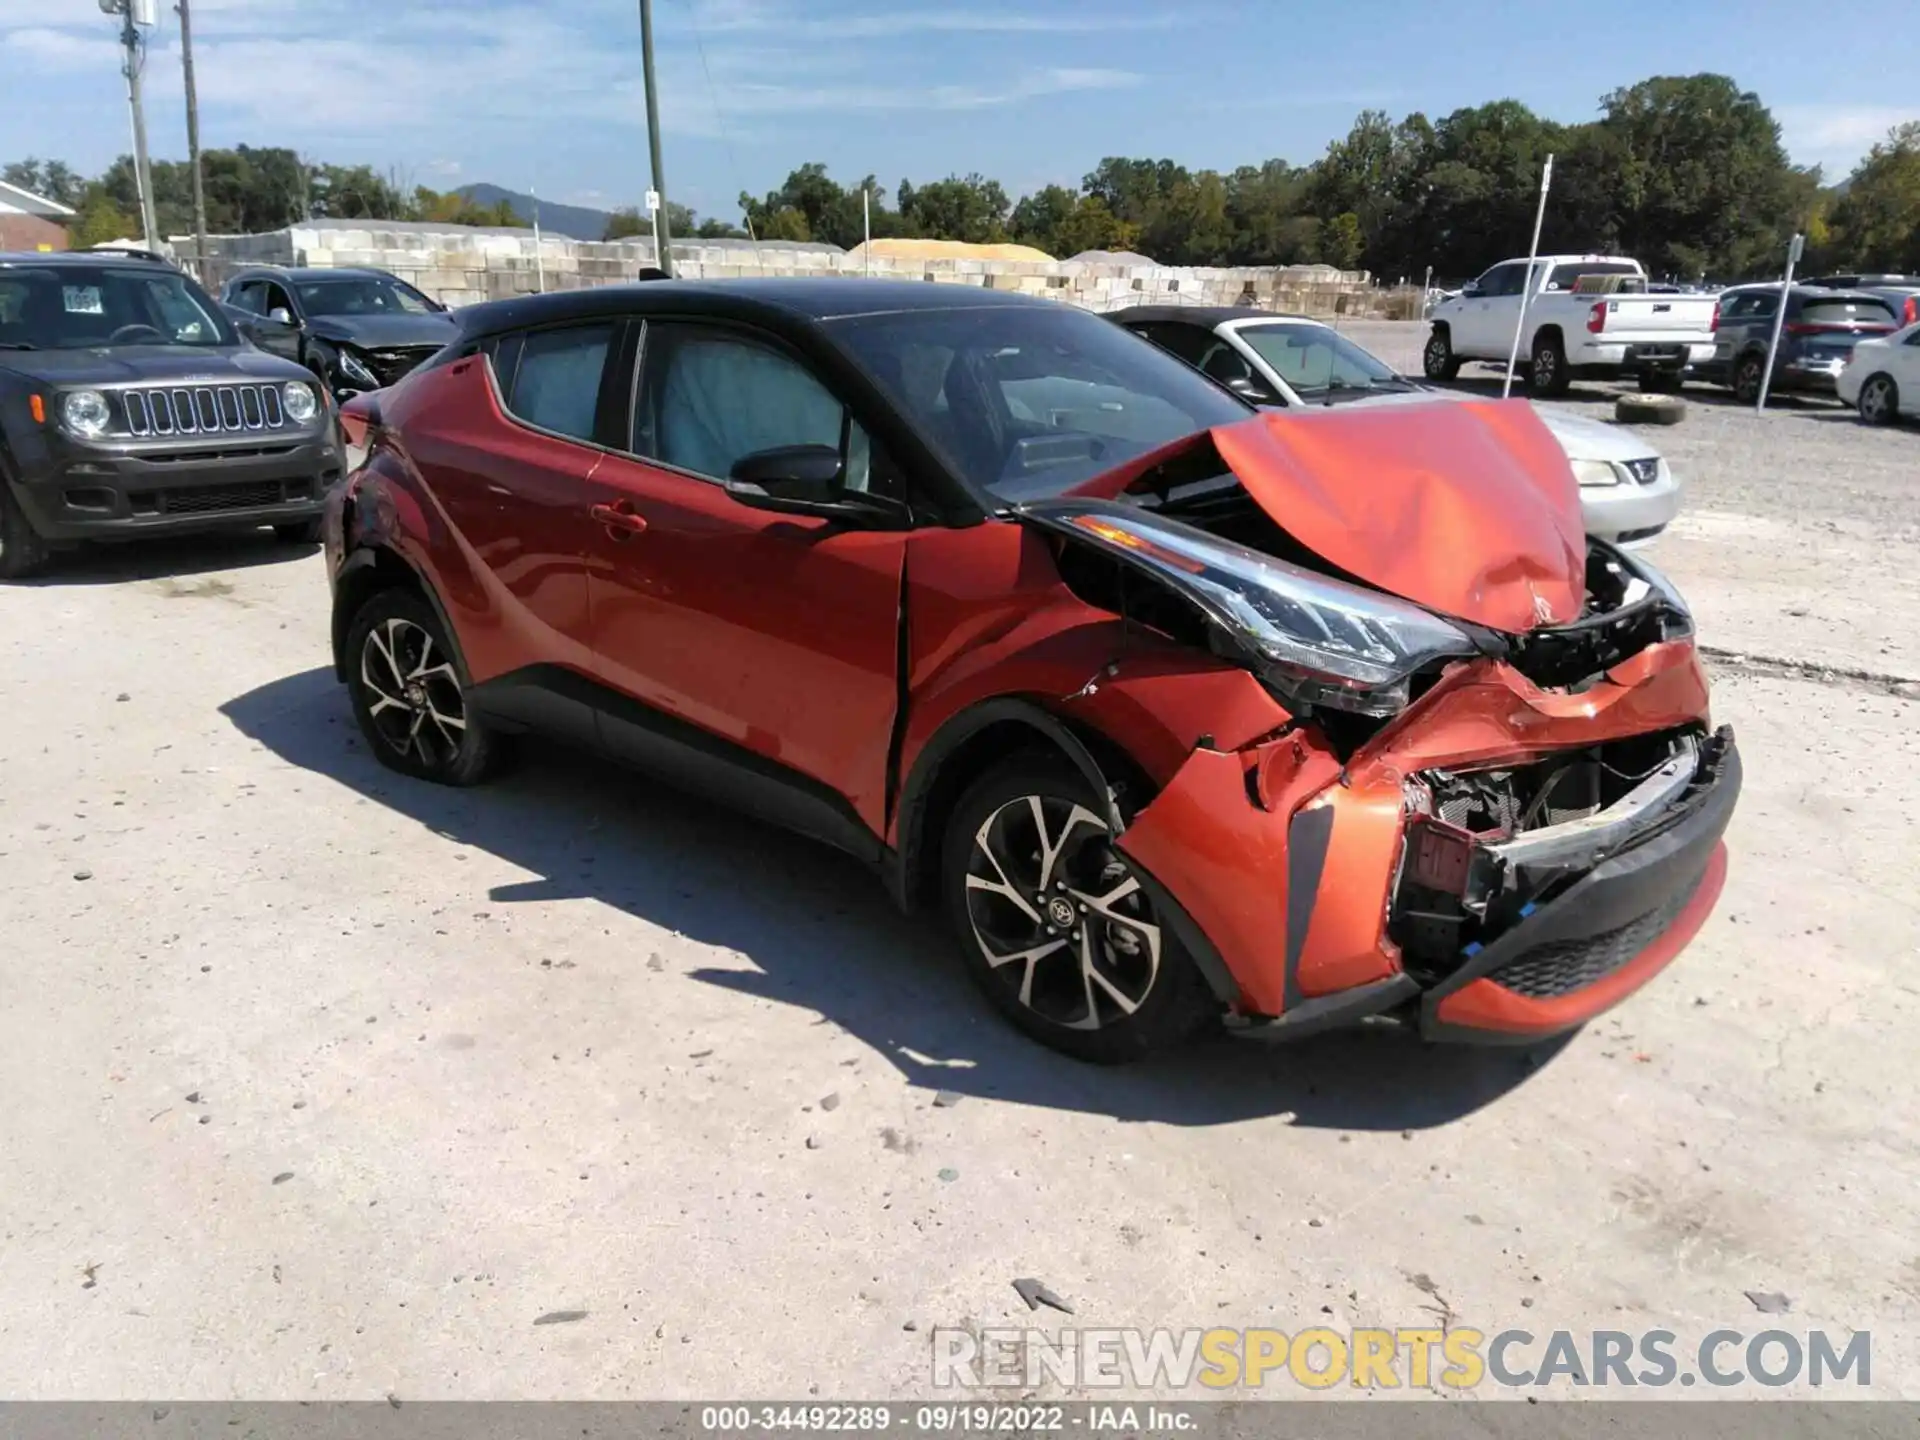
[619, 518]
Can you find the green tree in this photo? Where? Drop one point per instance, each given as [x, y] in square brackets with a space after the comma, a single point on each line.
[100, 220]
[1877, 221]
[1342, 241]
[53, 180]
[971, 208]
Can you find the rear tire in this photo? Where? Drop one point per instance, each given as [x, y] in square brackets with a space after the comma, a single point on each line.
[408, 695]
[1437, 359]
[22, 552]
[1053, 925]
[1746, 379]
[1879, 400]
[1547, 368]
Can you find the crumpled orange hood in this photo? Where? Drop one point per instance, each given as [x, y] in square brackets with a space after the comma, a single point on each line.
[1467, 508]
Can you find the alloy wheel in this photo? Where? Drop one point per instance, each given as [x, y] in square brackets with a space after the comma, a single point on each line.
[1546, 367]
[1875, 400]
[413, 695]
[1059, 917]
[1437, 355]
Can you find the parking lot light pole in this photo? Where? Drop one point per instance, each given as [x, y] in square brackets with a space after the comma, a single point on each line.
[1794, 250]
[1526, 295]
[662, 232]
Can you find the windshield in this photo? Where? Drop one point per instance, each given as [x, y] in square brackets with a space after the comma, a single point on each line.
[363, 295]
[1320, 363]
[77, 307]
[1027, 402]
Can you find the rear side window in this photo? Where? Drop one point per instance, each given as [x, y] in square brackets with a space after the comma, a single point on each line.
[1750, 306]
[1563, 276]
[1846, 312]
[556, 384]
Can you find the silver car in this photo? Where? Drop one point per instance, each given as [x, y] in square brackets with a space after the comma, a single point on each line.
[1628, 493]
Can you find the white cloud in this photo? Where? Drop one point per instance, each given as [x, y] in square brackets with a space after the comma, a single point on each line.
[1836, 137]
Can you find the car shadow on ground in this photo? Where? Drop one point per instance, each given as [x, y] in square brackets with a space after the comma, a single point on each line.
[825, 937]
[166, 556]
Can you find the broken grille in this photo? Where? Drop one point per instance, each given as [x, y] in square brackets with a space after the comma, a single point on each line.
[203, 410]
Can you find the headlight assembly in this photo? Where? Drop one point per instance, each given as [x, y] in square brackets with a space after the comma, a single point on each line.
[1595, 472]
[298, 397]
[355, 369]
[1316, 641]
[85, 413]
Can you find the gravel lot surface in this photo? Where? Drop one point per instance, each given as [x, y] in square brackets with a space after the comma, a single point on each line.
[315, 1083]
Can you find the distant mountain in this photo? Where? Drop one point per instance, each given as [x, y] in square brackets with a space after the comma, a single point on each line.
[576, 222]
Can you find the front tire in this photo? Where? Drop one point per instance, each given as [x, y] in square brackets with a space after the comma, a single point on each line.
[22, 552]
[1547, 367]
[1054, 925]
[408, 695]
[1437, 359]
[1879, 400]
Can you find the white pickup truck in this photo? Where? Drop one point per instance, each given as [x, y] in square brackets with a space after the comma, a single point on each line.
[1589, 316]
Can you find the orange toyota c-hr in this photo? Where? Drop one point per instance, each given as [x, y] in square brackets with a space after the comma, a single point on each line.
[1180, 712]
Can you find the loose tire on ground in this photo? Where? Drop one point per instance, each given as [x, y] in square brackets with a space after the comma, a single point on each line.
[1649, 410]
[408, 696]
[1067, 926]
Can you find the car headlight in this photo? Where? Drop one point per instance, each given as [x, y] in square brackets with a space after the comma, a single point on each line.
[298, 398]
[85, 412]
[1595, 472]
[355, 369]
[1314, 640]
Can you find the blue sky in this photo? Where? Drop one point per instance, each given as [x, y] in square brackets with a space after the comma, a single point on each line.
[545, 93]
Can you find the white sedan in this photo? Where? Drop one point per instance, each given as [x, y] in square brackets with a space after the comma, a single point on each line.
[1628, 493]
[1881, 378]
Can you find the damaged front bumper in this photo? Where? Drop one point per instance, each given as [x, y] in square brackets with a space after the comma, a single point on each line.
[1310, 884]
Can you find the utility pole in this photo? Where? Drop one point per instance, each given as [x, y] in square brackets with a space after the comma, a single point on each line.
[133, 14]
[663, 237]
[193, 141]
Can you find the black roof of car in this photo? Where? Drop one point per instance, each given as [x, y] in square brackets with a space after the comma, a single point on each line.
[1207, 315]
[40, 258]
[815, 298]
[309, 272]
[1804, 292]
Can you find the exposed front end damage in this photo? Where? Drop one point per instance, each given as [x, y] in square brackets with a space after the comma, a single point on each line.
[1497, 832]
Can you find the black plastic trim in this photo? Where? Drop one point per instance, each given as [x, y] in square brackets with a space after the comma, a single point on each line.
[1328, 1012]
[551, 698]
[1307, 840]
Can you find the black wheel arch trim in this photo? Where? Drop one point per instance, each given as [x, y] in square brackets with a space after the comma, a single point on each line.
[920, 783]
[345, 584]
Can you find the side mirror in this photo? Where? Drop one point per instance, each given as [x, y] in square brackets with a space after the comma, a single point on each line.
[1248, 388]
[1470, 290]
[280, 315]
[806, 480]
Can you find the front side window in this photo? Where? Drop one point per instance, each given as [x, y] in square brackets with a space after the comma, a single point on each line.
[74, 307]
[363, 295]
[709, 398]
[1027, 401]
[556, 384]
[1189, 342]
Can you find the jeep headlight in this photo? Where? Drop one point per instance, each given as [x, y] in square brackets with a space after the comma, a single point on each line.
[84, 412]
[1595, 472]
[301, 406]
